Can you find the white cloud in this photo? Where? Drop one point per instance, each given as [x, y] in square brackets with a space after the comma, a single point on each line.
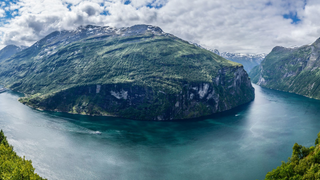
[248, 26]
[13, 6]
[2, 13]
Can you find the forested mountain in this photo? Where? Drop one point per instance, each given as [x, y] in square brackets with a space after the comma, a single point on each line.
[294, 70]
[137, 72]
[11, 165]
[9, 50]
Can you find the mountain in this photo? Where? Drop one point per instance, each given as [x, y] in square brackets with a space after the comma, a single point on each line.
[248, 61]
[9, 50]
[137, 72]
[295, 70]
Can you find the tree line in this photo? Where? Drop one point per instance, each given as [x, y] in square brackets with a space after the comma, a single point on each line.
[13, 166]
[303, 164]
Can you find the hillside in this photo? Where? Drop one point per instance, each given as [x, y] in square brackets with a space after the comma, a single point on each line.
[304, 164]
[294, 70]
[9, 50]
[11, 165]
[137, 72]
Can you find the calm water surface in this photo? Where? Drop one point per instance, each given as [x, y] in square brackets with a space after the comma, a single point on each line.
[244, 143]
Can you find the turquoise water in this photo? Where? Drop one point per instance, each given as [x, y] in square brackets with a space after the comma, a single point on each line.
[244, 143]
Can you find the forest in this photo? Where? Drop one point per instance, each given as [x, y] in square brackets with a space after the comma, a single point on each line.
[303, 164]
[13, 166]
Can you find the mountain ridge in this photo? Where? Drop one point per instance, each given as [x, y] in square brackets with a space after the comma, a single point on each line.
[10, 50]
[294, 70]
[137, 72]
[248, 60]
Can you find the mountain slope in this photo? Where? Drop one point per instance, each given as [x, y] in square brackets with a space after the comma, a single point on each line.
[295, 70]
[137, 72]
[248, 61]
[13, 166]
[303, 164]
[9, 50]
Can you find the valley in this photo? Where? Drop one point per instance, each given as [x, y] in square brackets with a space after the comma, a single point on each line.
[249, 141]
[159, 89]
[248, 61]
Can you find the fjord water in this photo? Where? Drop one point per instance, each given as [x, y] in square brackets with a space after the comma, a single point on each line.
[244, 143]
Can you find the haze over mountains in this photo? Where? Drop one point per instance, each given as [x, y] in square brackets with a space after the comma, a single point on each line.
[10, 50]
[294, 70]
[248, 61]
[138, 72]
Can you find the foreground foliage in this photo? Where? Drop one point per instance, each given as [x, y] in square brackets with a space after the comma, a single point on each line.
[11, 165]
[303, 164]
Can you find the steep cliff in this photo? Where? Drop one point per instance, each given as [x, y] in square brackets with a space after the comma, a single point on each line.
[295, 70]
[137, 72]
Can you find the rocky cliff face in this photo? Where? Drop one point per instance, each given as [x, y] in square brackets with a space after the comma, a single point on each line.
[143, 102]
[293, 70]
[138, 72]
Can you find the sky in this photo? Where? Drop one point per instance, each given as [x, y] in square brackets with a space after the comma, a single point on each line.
[240, 26]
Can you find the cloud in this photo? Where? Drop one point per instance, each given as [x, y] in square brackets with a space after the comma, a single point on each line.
[2, 13]
[247, 26]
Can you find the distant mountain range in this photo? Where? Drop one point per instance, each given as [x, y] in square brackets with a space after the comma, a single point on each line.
[295, 70]
[137, 72]
[10, 50]
[248, 61]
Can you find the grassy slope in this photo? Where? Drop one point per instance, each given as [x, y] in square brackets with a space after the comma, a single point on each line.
[12, 166]
[160, 63]
[152, 60]
[286, 70]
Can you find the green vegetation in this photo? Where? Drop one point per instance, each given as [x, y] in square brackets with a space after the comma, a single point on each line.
[304, 164]
[12, 166]
[157, 61]
[295, 70]
[148, 73]
[8, 51]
